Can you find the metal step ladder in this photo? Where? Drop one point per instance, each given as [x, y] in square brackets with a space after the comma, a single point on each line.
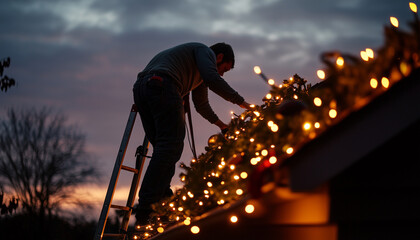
[128, 208]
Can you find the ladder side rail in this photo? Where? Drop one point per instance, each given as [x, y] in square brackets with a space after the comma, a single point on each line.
[115, 174]
[140, 159]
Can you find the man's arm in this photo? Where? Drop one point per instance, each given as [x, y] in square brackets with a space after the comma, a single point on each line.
[202, 106]
[206, 64]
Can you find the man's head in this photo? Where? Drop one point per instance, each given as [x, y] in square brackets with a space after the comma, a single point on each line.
[225, 58]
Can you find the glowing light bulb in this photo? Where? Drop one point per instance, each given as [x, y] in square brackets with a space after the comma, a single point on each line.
[239, 191]
[254, 161]
[234, 219]
[317, 101]
[413, 7]
[385, 82]
[320, 74]
[317, 125]
[289, 150]
[394, 21]
[209, 184]
[369, 53]
[373, 83]
[251, 140]
[340, 61]
[195, 229]
[268, 96]
[364, 56]
[272, 160]
[332, 113]
[257, 70]
[160, 229]
[274, 128]
[249, 208]
[264, 152]
[306, 126]
[244, 175]
[271, 82]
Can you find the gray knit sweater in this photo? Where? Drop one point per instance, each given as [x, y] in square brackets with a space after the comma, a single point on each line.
[193, 67]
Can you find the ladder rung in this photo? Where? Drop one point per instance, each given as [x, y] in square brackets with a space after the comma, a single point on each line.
[114, 235]
[130, 169]
[124, 208]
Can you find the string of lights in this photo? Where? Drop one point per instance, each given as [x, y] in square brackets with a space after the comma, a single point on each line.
[292, 113]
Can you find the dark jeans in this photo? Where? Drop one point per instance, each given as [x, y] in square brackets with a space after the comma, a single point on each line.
[162, 113]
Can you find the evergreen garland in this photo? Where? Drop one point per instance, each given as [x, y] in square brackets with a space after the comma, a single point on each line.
[292, 114]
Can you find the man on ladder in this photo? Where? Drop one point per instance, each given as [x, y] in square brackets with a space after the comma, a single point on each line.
[158, 94]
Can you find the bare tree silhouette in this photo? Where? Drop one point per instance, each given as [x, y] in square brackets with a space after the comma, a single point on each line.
[5, 81]
[43, 159]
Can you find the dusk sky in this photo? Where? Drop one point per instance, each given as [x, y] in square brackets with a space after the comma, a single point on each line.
[81, 57]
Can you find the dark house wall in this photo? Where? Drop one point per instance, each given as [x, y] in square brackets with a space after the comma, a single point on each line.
[378, 197]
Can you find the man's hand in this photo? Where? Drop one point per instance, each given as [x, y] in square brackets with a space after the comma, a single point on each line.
[247, 105]
[221, 125]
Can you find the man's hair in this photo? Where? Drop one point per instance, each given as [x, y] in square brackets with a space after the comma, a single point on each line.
[227, 51]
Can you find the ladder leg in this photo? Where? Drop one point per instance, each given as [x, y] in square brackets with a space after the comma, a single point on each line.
[140, 159]
[115, 174]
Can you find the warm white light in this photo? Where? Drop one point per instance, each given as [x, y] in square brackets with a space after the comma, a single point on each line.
[320, 74]
[249, 208]
[257, 70]
[413, 7]
[274, 128]
[264, 152]
[306, 126]
[317, 101]
[385, 82]
[239, 191]
[369, 53]
[234, 219]
[364, 56]
[289, 150]
[195, 229]
[272, 160]
[332, 113]
[317, 125]
[209, 184]
[394, 21]
[271, 82]
[268, 96]
[244, 175]
[340, 61]
[373, 83]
